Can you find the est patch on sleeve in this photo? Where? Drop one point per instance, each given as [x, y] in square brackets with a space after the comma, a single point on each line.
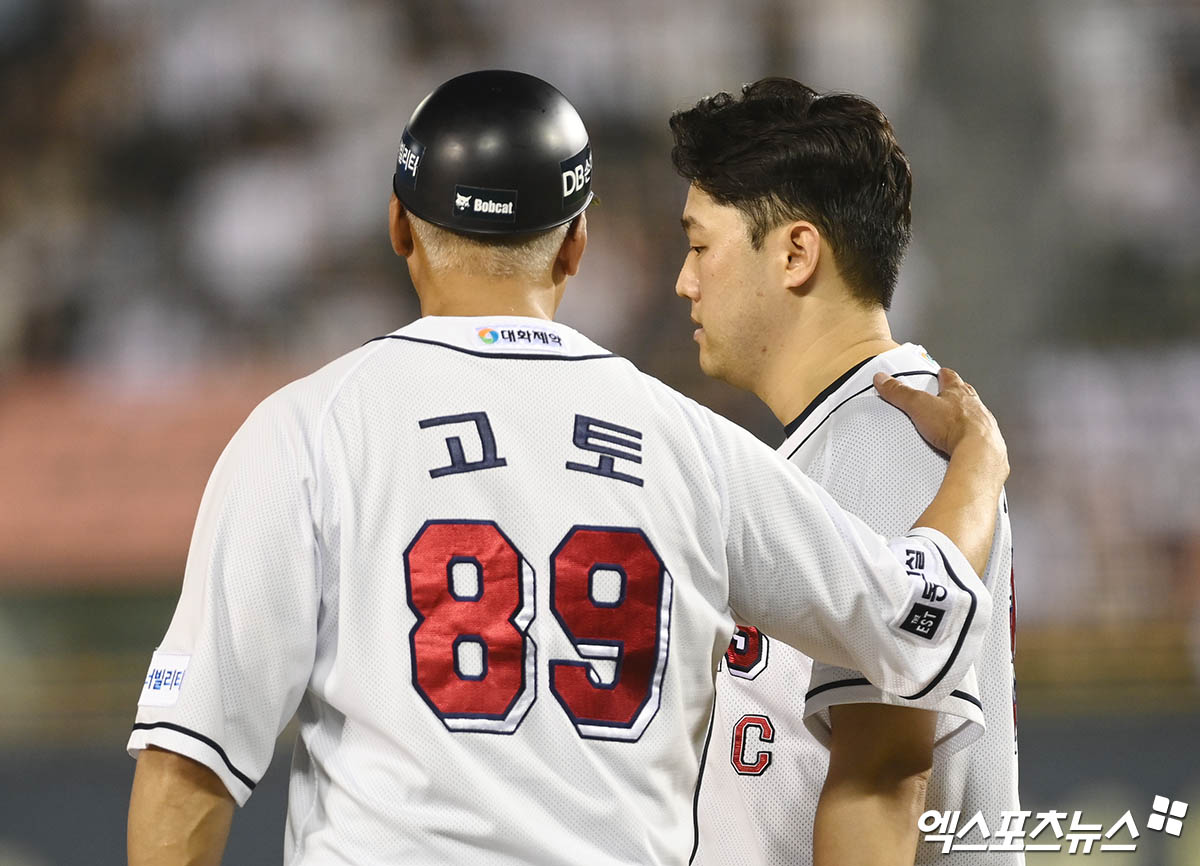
[164, 680]
[923, 621]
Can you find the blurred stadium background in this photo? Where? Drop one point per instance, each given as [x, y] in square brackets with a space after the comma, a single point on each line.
[192, 201]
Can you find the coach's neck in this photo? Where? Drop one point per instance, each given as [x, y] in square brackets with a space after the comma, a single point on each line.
[464, 295]
[453, 291]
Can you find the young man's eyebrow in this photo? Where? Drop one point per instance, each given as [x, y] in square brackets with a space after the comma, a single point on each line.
[689, 222]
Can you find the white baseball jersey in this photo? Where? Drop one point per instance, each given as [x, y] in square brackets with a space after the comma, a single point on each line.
[491, 567]
[767, 760]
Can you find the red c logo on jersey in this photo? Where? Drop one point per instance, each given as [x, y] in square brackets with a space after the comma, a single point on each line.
[737, 754]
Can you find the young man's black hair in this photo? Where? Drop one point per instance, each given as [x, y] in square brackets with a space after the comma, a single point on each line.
[784, 152]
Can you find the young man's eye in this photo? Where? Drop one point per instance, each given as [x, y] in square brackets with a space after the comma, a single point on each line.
[697, 250]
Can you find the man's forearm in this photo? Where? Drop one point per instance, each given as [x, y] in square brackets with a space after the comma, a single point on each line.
[964, 509]
[871, 825]
[958, 424]
[179, 812]
[880, 758]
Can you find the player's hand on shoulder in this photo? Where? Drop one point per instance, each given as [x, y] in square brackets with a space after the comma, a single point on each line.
[955, 418]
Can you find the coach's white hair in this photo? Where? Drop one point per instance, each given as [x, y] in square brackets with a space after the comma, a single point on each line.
[502, 257]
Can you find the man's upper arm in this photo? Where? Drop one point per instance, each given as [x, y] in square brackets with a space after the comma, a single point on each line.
[239, 651]
[879, 770]
[819, 579]
[880, 742]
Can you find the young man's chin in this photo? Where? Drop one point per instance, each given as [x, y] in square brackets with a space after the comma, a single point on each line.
[711, 366]
[725, 370]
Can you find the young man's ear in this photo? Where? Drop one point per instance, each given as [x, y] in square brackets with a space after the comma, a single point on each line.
[399, 228]
[802, 245]
[571, 251]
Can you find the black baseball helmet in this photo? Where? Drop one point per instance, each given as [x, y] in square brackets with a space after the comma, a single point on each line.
[494, 153]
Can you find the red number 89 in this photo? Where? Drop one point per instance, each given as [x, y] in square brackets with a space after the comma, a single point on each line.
[609, 591]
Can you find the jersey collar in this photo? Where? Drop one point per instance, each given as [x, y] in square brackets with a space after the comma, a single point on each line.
[837, 383]
[502, 336]
[905, 358]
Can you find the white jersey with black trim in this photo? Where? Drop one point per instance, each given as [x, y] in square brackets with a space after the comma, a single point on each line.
[767, 757]
[491, 567]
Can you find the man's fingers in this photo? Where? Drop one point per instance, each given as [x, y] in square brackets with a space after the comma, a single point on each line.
[944, 420]
[948, 379]
[929, 414]
[898, 394]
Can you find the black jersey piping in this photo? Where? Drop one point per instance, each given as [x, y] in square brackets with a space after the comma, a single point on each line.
[212, 744]
[851, 397]
[837, 684]
[700, 778]
[863, 681]
[519, 356]
[789, 429]
[969, 698]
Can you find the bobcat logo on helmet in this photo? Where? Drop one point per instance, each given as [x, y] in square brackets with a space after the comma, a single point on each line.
[462, 202]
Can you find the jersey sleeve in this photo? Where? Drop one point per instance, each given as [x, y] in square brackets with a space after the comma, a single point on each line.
[960, 713]
[878, 467]
[238, 653]
[910, 613]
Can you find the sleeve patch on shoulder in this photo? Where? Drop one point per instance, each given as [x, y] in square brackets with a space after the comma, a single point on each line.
[164, 680]
[923, 621]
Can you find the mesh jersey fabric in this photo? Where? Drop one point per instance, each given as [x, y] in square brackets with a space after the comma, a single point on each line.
[487, 566]
[873, 462]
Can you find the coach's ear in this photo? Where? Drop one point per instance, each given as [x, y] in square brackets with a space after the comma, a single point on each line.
[571, 251]
[399, 228]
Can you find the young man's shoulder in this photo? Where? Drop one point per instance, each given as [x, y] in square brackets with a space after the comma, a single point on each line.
[867, 453]
[869, 431]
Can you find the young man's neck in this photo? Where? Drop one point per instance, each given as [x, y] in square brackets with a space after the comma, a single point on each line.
[820, 349]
